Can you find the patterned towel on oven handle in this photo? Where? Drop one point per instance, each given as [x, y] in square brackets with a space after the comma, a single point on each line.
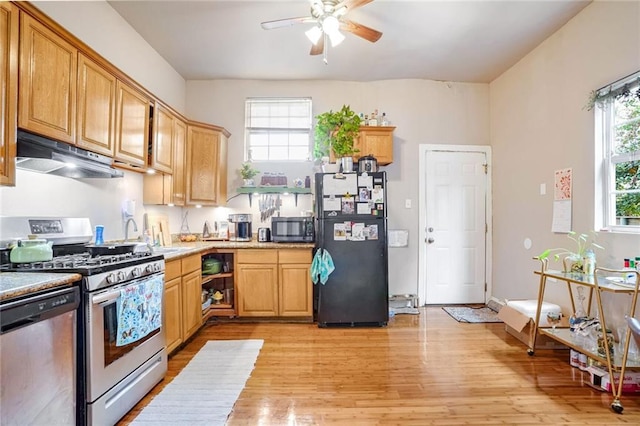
[139, 310]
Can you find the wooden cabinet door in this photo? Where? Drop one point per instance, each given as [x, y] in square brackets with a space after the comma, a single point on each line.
[132, 126]
[191, 303]
[9, 19]
[173, 313]
[96, 107]
[376, 141]
[47, 93]
[295, 297]
[178, 197]
[162, 144]
[202, 166]
[257, 290]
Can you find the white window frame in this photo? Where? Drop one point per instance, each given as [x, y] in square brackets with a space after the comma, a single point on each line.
[251, 130]
[606, 158]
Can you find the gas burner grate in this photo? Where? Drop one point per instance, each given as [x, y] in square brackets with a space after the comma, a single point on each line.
[80, 260]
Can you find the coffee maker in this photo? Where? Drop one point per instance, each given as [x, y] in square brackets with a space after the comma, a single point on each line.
[240, 227]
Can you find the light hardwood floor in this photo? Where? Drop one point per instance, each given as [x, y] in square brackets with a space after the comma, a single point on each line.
[421, 369]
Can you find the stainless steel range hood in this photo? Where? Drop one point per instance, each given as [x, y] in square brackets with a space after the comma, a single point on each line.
[39, 154]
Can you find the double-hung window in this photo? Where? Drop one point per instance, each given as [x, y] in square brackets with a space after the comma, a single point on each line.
[278, 129]
[618, 160]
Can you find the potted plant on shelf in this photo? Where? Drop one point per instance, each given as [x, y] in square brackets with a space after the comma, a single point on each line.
[248, 173]
[585, 245]
[336, 132]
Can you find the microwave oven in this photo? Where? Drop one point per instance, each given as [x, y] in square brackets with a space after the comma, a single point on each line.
[292, 229]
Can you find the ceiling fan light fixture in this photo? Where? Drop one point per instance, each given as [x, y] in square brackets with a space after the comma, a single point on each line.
[314, 34]
[336, 38]
[330, 26]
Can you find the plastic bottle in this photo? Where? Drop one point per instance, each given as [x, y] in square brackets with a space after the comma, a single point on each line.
[99, 235]
[385, 121]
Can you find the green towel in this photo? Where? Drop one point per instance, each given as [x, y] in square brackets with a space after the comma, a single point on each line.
[322, 266]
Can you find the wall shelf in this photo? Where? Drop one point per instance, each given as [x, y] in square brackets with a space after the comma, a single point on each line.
[251, 190]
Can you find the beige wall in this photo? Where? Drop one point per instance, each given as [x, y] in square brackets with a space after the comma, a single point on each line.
[424, 112]
[538, 125]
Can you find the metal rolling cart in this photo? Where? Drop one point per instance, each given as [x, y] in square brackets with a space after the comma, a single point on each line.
[601, 281]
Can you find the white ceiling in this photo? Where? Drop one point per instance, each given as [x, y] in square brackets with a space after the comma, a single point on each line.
[448, 40]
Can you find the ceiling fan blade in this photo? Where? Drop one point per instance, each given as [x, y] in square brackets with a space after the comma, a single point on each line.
[351, 4]
[279, 23]
[360, 30]
[318, 48]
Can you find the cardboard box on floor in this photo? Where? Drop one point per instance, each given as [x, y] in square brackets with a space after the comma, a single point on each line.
[521, 327]
[599, 379]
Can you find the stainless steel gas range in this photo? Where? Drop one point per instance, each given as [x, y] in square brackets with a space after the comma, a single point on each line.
[121, 345]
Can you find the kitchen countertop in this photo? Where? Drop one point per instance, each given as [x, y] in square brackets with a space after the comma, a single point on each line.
[16, 284]
[178, 250]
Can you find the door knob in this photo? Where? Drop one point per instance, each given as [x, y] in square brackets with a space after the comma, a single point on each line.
[431, 240]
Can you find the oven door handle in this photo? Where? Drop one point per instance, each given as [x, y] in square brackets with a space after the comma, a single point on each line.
[105, 297]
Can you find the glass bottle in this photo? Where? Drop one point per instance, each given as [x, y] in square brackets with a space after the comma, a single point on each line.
[589, 262]
[385, 121]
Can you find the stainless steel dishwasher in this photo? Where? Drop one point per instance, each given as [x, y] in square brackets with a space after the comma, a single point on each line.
[38, 359]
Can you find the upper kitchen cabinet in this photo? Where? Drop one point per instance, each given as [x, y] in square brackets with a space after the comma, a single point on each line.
[376, 141]
[47, 91]
[206, 158]
[96, 107]
[163, 134]
[133, 110]
[179, 196]
[9, 20]
[169, 189]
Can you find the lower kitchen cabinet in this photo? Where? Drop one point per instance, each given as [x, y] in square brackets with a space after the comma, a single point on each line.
[294, 275]
[172, 305]
[274, 283]
[182, 300]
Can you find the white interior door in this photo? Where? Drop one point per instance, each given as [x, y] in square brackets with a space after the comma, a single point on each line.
[455, 226]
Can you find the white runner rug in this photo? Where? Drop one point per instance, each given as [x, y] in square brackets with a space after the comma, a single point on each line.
[207, 388]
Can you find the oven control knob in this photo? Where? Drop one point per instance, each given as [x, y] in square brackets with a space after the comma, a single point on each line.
[121, 276]
[149, 268]
[136, 272]
[112, 278]
[156, 267]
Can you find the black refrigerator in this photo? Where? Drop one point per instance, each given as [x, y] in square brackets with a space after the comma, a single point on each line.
[351, 225]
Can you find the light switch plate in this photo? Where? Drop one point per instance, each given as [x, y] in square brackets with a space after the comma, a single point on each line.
[407, 203]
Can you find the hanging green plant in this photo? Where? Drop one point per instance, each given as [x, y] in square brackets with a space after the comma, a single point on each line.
[336, 131]
[603, 96]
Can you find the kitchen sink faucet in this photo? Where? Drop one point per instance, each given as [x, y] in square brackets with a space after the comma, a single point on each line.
[126, 228]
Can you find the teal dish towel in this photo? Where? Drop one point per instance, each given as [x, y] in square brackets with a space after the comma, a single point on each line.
[315, 266]
[327, 267]
[322, 266]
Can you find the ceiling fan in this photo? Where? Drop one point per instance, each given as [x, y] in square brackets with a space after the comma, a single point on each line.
[328, 17]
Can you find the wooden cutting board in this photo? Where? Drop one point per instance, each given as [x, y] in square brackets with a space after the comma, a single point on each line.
[159, 228]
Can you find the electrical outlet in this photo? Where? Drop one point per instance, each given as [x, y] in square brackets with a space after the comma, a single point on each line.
[407, 203]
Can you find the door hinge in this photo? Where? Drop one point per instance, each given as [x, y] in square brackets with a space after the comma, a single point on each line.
[485, 287]
[486, 167]
[486, 228]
